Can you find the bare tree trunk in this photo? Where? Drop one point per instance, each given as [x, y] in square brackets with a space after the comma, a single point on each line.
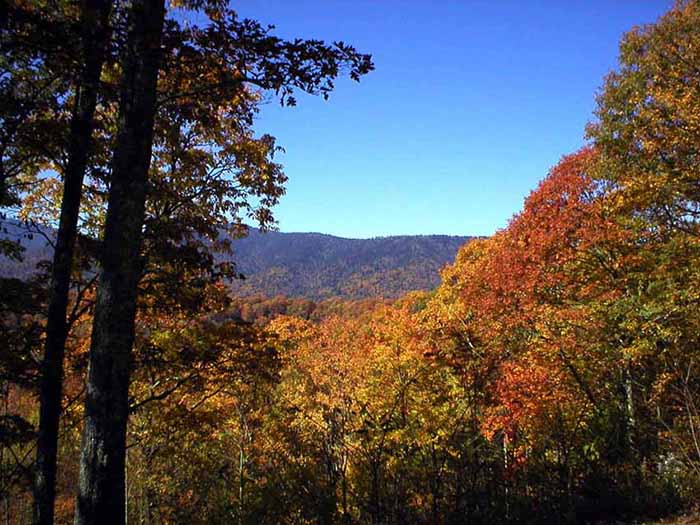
[95, 27]
[375, 511]
[101, 489]
[631, 422]
[5, 485]
[344, 486]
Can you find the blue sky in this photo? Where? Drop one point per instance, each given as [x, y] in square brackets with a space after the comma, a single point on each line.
[470, 104]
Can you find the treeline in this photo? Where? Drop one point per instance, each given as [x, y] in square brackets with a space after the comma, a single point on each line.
[261, 310]
[550, 378]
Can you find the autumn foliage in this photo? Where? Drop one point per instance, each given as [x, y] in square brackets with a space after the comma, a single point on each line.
[551, 377]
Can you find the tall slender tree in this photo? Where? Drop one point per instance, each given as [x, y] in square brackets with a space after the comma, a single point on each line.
[95, 30]
[101, 489]
[226, 55]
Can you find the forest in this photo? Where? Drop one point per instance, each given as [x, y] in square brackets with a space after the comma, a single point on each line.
[550, 377]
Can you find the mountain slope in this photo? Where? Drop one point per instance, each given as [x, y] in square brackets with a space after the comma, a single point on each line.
[313, 265]
[318, 266]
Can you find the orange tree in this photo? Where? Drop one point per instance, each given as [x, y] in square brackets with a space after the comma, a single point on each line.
[534, 319]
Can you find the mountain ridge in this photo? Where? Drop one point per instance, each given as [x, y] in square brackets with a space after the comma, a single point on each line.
[317, 265]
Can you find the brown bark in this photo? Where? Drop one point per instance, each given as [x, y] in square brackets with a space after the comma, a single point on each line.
[95, 27]
[102, 484]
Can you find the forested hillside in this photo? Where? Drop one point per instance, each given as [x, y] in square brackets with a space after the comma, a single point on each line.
[320, 266]
[550, 377]
[311, 265]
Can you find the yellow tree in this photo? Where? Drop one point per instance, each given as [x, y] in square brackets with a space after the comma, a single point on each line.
[648, 135]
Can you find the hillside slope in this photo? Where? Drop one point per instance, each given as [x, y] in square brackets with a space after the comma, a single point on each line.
[315, 265]
[319, 266]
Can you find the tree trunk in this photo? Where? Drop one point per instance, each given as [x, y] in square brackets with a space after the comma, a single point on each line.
[96, 32]
[101, 488]
[375, 512]
[630, 420]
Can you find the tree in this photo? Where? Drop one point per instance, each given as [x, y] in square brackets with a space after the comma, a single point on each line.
[198, 394]
[240, 52]
[21, 329]
[647, 130]
[94, 26]
[647, 136]
[538, 318]
[33, 88]
[101, 491]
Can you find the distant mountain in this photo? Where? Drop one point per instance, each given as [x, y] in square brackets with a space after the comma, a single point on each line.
[319, 266]
[34, 240]
[314, 265]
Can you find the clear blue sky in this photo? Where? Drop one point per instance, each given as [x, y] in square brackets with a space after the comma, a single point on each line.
[470, 104]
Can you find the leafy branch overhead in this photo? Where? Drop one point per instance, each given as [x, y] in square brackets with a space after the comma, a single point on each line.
[228, 53]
